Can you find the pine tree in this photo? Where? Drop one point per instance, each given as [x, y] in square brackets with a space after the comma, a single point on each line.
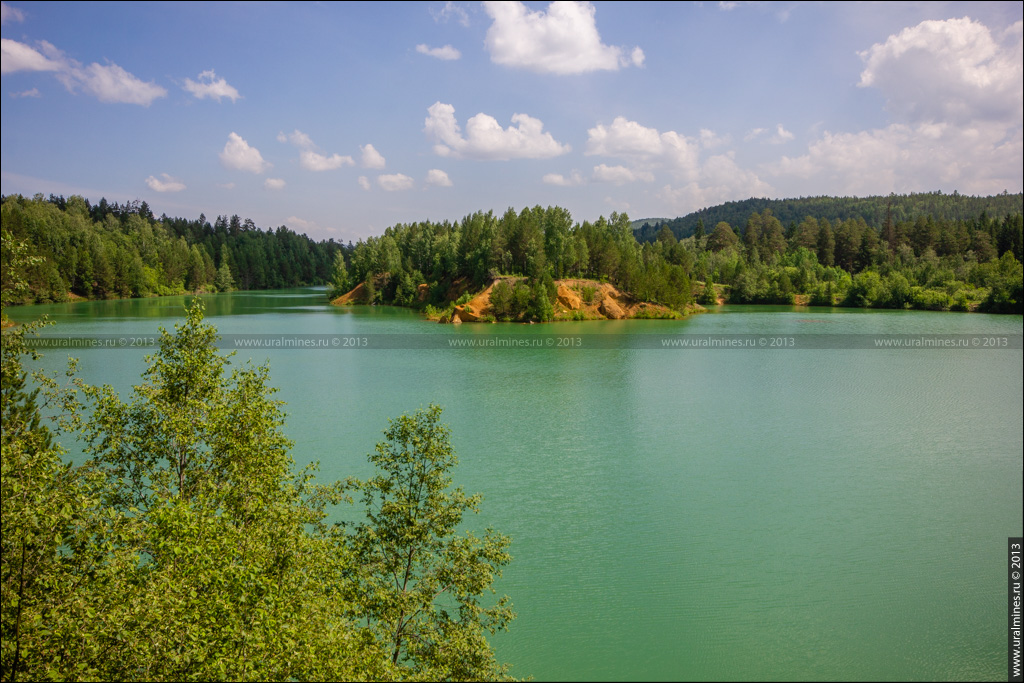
[224, 282]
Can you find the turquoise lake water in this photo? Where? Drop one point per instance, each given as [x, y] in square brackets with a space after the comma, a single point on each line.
[743, 513]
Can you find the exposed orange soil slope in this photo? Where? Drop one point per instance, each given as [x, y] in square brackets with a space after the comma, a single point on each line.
[575, 300]
[355, 296]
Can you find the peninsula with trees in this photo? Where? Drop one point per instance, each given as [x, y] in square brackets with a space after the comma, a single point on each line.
[929, 251]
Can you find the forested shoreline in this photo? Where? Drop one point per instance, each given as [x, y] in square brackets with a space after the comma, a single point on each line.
[108, 250]
[924, 251]
[929, 262]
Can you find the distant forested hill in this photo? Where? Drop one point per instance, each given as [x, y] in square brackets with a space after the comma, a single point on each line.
[875, 211]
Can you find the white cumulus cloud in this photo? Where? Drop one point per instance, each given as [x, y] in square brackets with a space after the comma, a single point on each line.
[709, 139]
[976, 159]
[485, 139]
[8, 13]
[450, 10]
[210, 86]
[620, 175]
[300, 223]
[955, 90]
[560, 180]
[371, 157]
[953, 70]
[297, 138]
[781, 135]
[34, 92]
[274, 183]
[238, 155]
[314, 161]
[438, 178]
[720, 179]
[15, 56]
[106, 82]
[309, 158]
[630, 140]
[111, 83]
[364, 182]
[561, 40]
[165, 183]
[395, 182]
[446, 53]
[697, 182]
[624, 138]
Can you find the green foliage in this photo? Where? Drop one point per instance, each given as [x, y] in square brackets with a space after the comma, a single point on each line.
[587, 293]
[540, 307]
[823, 295]
[762, 284]
[501, 300]
[874, 210]
[420, 582]
[38, 500]
[433, 313]
[513, 300]
[708, 297]
[372, 295]
[224, 282]
[191, 430]
[339, 283]
[722, 237]
[535, 245]
[1006, 281]
[107, 250]
[930, 251]
[186, 548]
[576, 315]
[931, 262]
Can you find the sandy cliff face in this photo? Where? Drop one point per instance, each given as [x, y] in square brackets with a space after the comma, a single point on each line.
[575, 300]
[355, 296]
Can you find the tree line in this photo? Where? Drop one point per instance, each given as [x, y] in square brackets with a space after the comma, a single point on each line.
[108, 250]
[876, 211]
[926, 263]
[945, 260]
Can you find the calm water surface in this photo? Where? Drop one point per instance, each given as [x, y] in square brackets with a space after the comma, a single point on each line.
[684, 514]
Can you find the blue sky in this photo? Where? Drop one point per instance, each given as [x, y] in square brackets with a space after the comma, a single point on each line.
[340, 119]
